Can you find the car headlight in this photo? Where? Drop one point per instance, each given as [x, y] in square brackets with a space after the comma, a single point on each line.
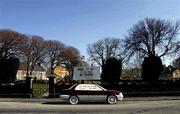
[121, 94]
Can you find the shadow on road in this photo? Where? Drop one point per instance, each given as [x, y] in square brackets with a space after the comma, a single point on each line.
[67, 103]
[151, 98]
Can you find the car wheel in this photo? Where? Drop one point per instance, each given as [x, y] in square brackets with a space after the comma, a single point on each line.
[74, 100]
[112, 99]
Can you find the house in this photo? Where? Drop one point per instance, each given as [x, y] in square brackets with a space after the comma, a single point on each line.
[176, 73]
[170, 73]
[61, 71]
[39, 73]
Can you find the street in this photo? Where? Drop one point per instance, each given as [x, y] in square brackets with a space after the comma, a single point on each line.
[127, 106]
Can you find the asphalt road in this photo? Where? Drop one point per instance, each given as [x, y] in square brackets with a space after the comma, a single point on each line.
[131, 106]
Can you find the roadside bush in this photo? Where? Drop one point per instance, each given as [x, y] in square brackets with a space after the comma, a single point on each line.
[151, 69]
[8, 70]
[111, 71]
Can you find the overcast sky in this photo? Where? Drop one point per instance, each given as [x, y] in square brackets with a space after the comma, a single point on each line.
[81, 22]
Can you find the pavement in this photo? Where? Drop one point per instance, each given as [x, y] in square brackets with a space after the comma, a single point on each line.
[129, 105]
[41, 100]
[30, 99]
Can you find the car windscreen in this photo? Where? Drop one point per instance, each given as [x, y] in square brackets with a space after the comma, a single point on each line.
[73, 86]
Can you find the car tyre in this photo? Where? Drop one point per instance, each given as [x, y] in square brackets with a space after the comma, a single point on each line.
[112, 99]
[74, 100]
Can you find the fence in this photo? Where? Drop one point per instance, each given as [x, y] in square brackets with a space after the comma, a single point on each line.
[17, 90]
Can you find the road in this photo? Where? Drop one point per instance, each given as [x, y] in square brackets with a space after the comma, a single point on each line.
[123, 107]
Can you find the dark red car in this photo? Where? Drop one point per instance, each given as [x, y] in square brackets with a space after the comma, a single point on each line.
[92, 92]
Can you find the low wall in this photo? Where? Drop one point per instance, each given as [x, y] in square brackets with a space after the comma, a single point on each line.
[14, 91]
[139, 88]
[22, 90]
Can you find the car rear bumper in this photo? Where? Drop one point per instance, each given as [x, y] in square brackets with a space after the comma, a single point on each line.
[64, 97]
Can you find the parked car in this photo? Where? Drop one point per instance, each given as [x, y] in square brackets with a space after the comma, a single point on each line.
[92, 92]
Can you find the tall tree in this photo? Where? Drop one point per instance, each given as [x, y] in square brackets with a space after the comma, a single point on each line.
[153, 38]
[33, 51]
[72, 58]
[104, 49]
[176, 63]
[10, 43]
[54, 53]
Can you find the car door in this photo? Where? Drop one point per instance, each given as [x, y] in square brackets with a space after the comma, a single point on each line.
[82, 92]
[96, 93]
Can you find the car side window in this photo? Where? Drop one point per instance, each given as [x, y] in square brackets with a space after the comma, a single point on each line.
[90, 87]
[95, 88]
[80, 87]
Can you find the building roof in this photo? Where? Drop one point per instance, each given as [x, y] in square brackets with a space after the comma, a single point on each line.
[36, 68]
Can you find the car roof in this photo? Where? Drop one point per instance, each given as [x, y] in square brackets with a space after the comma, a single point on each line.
[90, 85]
[87, 84]
[75, 85]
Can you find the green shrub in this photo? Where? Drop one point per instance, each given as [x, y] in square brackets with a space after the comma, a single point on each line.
[40, 89]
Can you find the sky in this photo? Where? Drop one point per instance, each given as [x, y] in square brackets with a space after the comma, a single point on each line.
[81, 22]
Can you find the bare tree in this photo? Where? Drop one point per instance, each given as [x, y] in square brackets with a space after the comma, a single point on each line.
[33, 51]
[104, 49]
[72, 58]
[176, 62]
[151, 37]
[132, 71]
[10, 43]
[54, 53]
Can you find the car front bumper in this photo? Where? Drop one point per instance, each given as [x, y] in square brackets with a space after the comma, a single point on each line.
[119, 97]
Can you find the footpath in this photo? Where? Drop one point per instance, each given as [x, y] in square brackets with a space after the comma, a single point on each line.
[41, 100]
[30, 100]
